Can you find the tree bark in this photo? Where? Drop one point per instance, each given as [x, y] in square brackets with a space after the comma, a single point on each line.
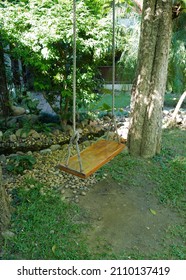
[144, 138]
[4, 96]
[4, 208]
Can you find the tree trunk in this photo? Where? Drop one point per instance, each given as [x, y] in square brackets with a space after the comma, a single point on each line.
[4, 96]
[144, 138]
[4, 208]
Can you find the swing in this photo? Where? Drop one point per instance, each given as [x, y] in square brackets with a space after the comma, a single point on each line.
[95, 156]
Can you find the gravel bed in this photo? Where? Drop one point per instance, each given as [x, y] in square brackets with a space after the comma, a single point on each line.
[48, 174]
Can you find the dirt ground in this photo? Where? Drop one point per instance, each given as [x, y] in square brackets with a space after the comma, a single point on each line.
[125, 219]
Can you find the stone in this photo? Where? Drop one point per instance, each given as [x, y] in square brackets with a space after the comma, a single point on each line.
[17, 111]
[45, 151]
[2, 158]
[18, 132]
[84, 123]
[32, 118]
[1, 135]
[12, 122]
[55, 147]
[178, 119]
[93, 123]
[20, 153]
[97, 129]
[34, 134]
[80, 130]
[56, 132]
[13, 138]
[8, 234]
[106, 118]
[68, 129]
[83, 193]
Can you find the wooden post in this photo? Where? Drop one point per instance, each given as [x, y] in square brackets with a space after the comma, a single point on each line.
[176, 110]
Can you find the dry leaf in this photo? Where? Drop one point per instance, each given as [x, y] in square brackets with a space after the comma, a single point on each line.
[53, 249]
[153, 212]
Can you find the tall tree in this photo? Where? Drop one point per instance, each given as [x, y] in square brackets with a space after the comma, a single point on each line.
[4, 95]
[149, 87]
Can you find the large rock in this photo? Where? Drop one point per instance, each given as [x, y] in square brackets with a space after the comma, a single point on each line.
[17, 111]
[13, 138]
[34, 134]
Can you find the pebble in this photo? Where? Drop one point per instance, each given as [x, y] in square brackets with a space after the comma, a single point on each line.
[83, 193]
[47, 173]
[45, 151]
[2, 158]
[55, 147]
[8, 234]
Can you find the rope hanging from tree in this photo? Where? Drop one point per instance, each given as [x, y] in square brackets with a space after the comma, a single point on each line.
[75, 137]
[113, 70]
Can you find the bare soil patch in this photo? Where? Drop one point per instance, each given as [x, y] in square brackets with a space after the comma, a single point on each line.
[126, 218]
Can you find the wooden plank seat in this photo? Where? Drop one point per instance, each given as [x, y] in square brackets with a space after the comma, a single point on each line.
[93, 157]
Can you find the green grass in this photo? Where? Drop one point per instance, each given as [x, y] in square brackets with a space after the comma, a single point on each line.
[165, 177]
[122, 100]
[46, 227]
[165, 172]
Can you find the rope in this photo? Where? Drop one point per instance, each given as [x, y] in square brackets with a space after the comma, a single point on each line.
[114, 69]
[74, 65]
[75, 136]
[113, 56]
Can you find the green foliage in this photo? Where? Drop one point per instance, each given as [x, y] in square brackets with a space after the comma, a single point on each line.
[30, 103]
[128, 40]
[40, 34]
[18, 163]
[177, 61]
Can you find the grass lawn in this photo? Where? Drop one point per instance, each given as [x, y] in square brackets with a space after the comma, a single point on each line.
[46, 227]
[122, 100]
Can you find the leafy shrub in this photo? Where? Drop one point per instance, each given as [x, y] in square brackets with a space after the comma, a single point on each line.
[18, 163]
[30, 103]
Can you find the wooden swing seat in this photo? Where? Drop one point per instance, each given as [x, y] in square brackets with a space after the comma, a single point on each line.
[93, 157]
